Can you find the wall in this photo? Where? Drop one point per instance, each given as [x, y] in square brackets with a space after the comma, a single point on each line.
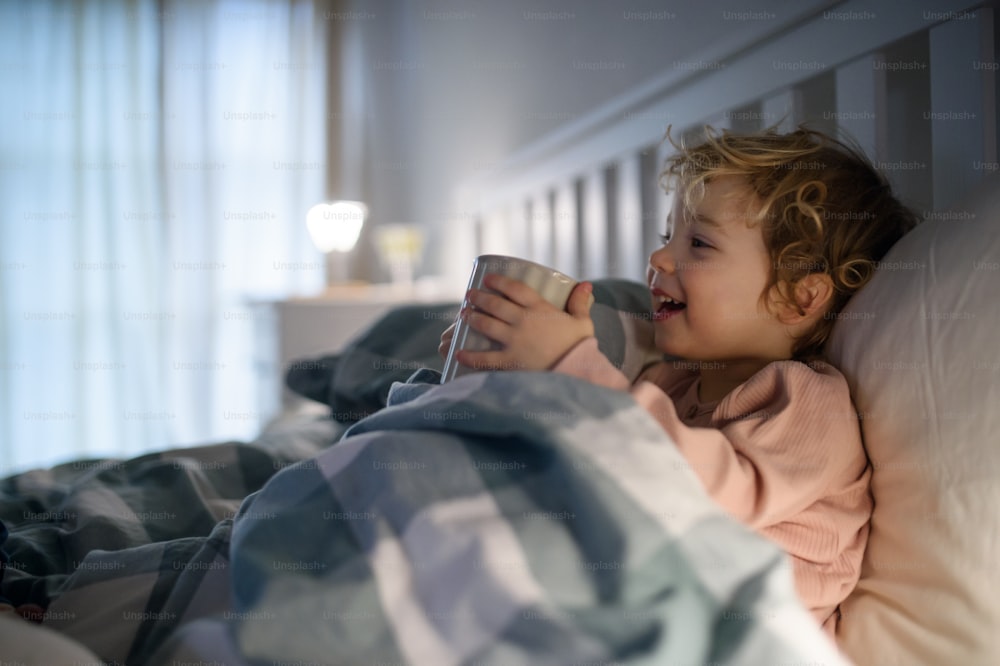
[451, 89]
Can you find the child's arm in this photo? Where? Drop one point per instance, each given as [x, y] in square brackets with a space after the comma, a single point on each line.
[779, 448]
[790, 435]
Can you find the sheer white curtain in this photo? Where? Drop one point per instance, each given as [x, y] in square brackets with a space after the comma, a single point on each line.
[156, 163]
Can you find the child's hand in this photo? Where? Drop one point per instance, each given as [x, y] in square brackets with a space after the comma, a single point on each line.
[534, 333]
[445, 343]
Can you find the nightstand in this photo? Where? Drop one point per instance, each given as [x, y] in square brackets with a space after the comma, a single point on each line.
[302, 328]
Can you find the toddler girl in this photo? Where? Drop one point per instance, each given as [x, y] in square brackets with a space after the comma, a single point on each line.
[768, 237]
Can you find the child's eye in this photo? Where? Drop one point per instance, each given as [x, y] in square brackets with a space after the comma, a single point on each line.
[664, 238]
[697, 242]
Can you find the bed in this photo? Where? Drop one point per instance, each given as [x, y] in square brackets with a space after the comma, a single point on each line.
[481, 521]
[915, 85]
[489, 520]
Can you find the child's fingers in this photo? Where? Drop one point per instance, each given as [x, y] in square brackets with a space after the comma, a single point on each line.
[493, 328]
[514, 290]
[486, 360]
[494, 305]
[445, 344]
[580, 300]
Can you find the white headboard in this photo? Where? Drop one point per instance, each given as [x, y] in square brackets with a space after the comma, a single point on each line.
[914, 82]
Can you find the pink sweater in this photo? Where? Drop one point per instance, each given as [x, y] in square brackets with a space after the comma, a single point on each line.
[781, 452]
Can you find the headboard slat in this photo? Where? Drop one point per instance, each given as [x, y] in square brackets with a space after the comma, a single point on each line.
[593, 220]
[564, 226]
[540, 223]
[862, 107]
[963, 98]
[782, 109]
[628, 260]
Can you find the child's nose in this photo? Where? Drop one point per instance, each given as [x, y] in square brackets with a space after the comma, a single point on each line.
[662, 260]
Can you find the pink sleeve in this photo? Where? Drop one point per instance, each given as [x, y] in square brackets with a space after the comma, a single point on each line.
[586, 361]
[785, 438]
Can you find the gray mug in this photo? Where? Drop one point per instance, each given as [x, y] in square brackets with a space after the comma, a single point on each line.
[553, 286]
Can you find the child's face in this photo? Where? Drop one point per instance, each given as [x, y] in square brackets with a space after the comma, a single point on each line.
[717, 267]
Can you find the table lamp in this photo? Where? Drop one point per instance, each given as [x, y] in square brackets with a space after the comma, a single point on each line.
[335, 227]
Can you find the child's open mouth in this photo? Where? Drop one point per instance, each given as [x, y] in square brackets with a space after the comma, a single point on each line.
[668, 307]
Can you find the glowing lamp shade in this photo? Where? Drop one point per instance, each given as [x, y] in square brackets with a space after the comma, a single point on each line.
[337, 225]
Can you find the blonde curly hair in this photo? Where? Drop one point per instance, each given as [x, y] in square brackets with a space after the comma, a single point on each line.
[822, 206]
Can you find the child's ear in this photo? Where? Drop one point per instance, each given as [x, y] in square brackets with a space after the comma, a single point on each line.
[811, 296]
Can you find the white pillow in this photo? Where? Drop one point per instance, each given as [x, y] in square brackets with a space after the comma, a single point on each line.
[920, 346]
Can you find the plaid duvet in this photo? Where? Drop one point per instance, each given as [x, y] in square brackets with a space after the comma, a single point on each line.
[114, 552]
[502, 518]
